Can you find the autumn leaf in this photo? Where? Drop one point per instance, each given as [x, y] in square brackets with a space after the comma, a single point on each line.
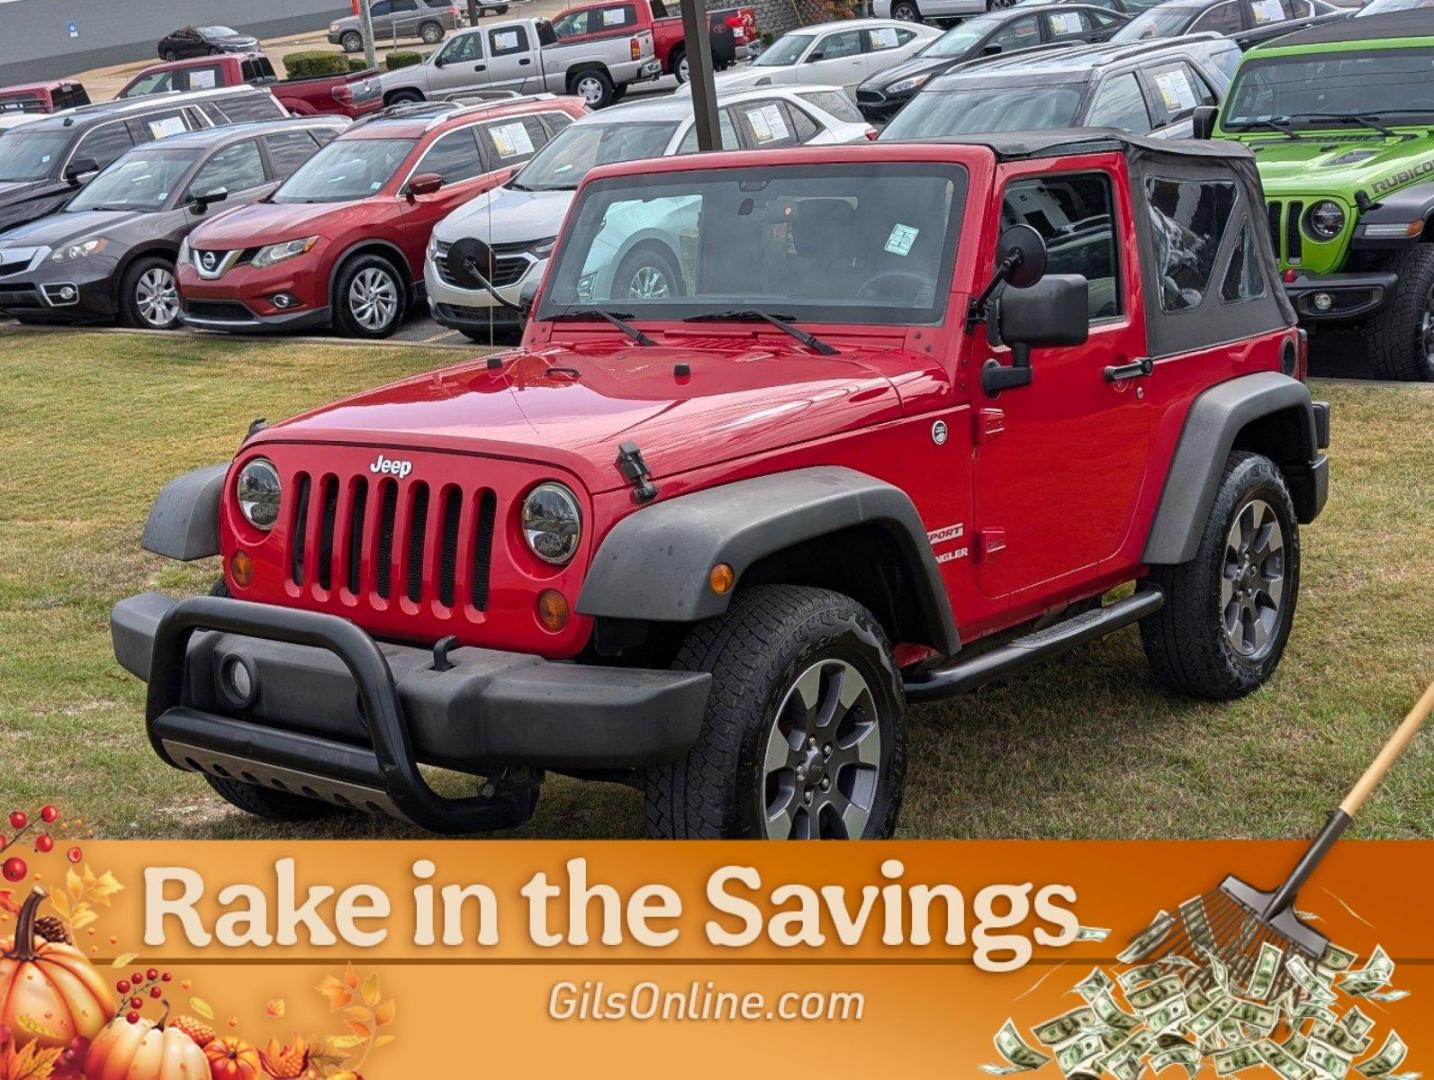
[384, 1014]
[334, 1046]
[359, 1013]
[202, 1007]
[123, 960]
[74, 885]
[7, 902]
[363, 1031]
[33, 1063]
[84, 915]
[61, 903]
[336, 992]
[276, 1008]
[371, 994]
[383, 1040]
[351, 979]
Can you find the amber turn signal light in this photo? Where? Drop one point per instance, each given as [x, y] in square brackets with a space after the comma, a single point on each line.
[241, 569]
[721, 578]
[553, 609]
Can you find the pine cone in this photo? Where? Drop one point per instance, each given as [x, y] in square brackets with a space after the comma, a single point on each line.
[52, 930]
[197, 1030]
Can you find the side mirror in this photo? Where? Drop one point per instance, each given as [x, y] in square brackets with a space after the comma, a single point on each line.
[81, 168]
[438, 61]
[423, 184]
[203, 201]
[814, 57]
[1203, 121]
[1053, 311]
[992, 50]
[472, 264]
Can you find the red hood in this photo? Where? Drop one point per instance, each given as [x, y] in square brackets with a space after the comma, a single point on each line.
[267, 223]
[572, 406]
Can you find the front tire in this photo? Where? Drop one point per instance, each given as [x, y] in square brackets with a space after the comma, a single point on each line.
[1228, 612]
[1399, 340]
[647, 273]
[403, 97]
[351, 42]
[907, 11]
[805, 731]
[680, 67]
[430, 33]
[370, 298]
[149, 295]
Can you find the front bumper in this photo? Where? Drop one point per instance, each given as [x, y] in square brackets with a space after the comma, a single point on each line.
[877, 108]
[234, 317]
[474, 309]
[1349, 297]
[82, 291]
[333, 714]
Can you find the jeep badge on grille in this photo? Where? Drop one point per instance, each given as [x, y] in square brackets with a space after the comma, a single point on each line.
[399, 469]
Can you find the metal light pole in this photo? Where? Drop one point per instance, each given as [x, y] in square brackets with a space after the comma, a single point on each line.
[699, 68]
[370, 54]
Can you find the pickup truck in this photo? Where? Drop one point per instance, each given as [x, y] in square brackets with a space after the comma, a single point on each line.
[733, 30]
[794, 438]
[353, 95]
[42, 97]
[527, 57]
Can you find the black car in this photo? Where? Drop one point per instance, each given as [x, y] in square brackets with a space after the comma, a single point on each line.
[110, 253]
[1175, 18]
[190, 41]
[996, 33]
[1152, 87]
[43, 163]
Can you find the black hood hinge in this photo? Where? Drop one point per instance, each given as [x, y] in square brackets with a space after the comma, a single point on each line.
[634, 471]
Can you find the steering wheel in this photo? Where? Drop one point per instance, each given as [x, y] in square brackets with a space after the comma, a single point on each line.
[872, 288]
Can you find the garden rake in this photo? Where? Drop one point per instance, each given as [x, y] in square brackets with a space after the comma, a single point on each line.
[1231, 923]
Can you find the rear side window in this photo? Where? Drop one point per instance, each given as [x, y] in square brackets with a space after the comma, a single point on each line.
[1188, 218]
[104, 144]
[160, 125]
[1119, 103]
[615, 17]
[249, 107]
[512, 142]
[257, 69]
[235, 168]
[835, 104]
[1244, 277]
[881, 38]
[1223, 18]
[288, 150]
[805, 128]
[454, 157]
[1065, 25]
[769, 124]
[509, 41]
[1074, 215]
[1177, 91]
[1264, 12]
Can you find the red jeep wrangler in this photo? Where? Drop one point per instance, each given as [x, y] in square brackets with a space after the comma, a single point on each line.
[794, 438]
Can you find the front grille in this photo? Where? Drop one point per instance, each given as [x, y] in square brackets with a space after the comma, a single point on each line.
[219, 310]
[1273, 211]
[1294, 240]
[508, 268]
[427, 538]
[8, 268]
[28, 297]
[870, 97]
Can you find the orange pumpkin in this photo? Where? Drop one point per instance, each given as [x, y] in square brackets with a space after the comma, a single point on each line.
[233, 1059]
[49, 993]
[145, 1051]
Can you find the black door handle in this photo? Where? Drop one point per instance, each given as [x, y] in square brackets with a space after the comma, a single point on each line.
[525, 60]
[1133, 370]
[480, 67]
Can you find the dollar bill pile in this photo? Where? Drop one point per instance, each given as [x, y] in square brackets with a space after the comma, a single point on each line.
[1191, 1011]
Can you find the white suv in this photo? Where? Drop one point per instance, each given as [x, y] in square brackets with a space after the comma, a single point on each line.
[917, 10]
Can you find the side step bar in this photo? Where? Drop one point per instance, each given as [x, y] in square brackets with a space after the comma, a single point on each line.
[966, 675]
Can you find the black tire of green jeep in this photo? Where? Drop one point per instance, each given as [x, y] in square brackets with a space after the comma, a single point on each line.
[1186, 641]
[1399, 340]
[769, 636]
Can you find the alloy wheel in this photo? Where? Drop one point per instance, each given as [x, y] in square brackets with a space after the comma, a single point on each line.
[649, 283]
[1252, 582]
[590, 90]
[822, 761]
[906, 13]
[1426, 335]
[373, 299]
[683, 71]
[156, 297]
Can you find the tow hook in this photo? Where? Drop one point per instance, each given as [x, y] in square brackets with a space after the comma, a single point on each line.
[634, 471]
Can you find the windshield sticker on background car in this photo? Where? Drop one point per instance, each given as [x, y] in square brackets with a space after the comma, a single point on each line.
[511, 140]
[901, 239]
[1065, 22]
[1176, 91]
[613, 16]
[1266, 11]
[170, 125]
[202, 79]
[884, 37]
[767, 123]
[505, 39]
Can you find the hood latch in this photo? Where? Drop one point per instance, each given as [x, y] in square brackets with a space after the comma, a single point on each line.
[634, 471]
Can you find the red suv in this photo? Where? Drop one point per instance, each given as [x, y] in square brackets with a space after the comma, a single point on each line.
[341, 243]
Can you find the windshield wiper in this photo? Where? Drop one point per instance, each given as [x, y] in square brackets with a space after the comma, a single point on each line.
[1363, 119]
[1274, 125]
[781, 322]
[616, 318]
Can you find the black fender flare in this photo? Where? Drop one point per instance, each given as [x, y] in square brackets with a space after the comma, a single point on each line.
[653, 565]
[183, 522]
[1412, 203]
[1214, 423]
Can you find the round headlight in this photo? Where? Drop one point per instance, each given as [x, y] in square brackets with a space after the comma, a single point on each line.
[1325, 220]
[257, 489]
[552, 523]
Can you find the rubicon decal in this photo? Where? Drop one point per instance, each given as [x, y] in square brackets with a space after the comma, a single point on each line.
[391, 467]
[1404, 176]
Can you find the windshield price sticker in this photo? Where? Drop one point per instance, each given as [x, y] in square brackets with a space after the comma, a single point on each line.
[511, 140]
[505, 39]
[884, 37]
[1065, 22]
[901, 239]
[170, 125]
[1176, 91]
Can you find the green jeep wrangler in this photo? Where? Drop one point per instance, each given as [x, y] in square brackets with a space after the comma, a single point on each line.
[1340, 118]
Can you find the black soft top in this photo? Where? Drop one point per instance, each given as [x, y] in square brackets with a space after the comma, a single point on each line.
[1416, 22]
[1057, 142]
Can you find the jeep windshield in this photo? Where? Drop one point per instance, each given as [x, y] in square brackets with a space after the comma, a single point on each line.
[967, 108]
[345, 170]
[581, 147]
[1325, 90]
[841, 243]
[31, 155]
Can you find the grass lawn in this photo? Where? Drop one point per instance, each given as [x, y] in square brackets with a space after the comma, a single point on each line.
[94, 424]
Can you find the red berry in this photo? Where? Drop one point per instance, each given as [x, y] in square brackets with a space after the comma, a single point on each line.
[74, 854]
[49, 814]
[19, 819]
[137, 978]
[132, 1017]
[122, 986]
[165, 977]
[136, 1003]
[14, 869]
[155, 992]
[152, 974]
[44, 843]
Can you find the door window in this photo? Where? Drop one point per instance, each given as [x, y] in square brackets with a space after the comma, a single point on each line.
[1222, 19]
[508, 42]
[838, 45]
[512, 142]
[454, 157]
[1119, 103]
[1019, 33]
[572, 24]
[1188, 217]
[464, 48]
[380, 8]
[203, 78]
[104, 144]
[158, 82]
[404, 7]
[1264, 12]
[1068, 25]
[235, 168]
[1178, 90]
[730, 140]
[289, 150]
[1074, 214]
